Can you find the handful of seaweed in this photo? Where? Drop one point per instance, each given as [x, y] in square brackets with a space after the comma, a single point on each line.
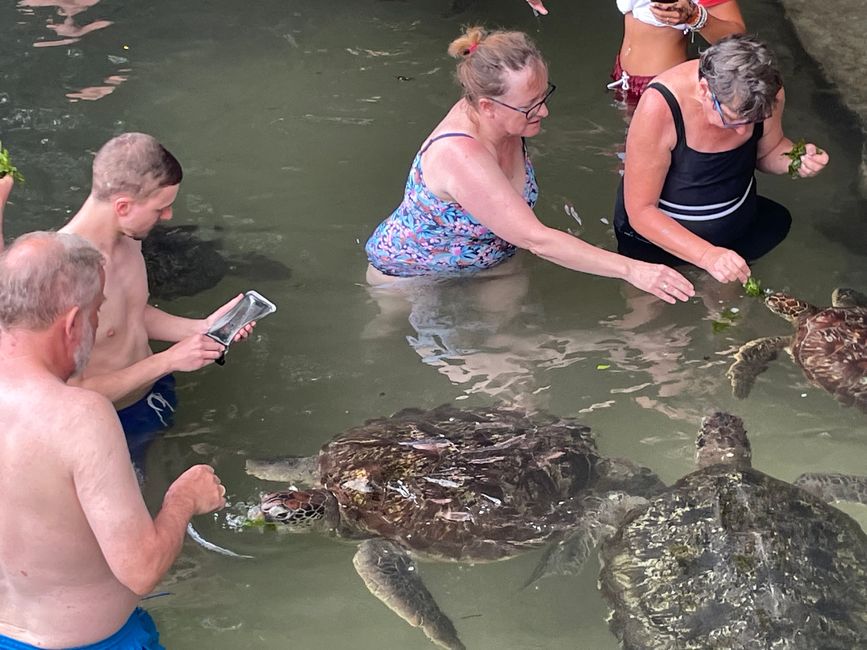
[799, 149]
[6, 166]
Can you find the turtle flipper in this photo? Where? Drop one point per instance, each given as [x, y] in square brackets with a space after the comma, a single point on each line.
[392, 576]
[752, 360]
[844, 297]
[835, 487]
[601, 516]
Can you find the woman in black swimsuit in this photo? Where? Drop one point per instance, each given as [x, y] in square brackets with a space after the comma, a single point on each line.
[689, 188]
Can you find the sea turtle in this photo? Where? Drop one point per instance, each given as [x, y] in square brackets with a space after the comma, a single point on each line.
[472, 485]
[830, 346]
[180, 262]
[729, 557]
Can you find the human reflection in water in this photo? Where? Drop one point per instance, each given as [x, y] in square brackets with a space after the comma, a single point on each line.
[67, 29]
[684, 364]
[72, 32]
[488, 338]
[464, 327]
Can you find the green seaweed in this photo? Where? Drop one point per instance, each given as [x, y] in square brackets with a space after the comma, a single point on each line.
[727, 318]
[6, 166]
[798, 149]
[753, 287]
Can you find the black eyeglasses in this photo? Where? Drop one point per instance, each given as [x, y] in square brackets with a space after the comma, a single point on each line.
[533, 111]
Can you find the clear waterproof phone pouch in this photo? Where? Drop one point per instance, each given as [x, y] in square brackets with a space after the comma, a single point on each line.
[253, 306]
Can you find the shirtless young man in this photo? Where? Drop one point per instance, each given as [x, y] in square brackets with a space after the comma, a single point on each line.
[78, 547]
[135, 182]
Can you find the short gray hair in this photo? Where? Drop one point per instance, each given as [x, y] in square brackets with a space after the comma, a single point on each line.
[42, 275]
[134, 164]
[742, 72]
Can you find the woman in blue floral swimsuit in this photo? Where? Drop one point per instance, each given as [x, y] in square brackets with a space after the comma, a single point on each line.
[469, 198]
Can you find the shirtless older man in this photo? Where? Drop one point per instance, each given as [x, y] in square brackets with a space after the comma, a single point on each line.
[78, 547]
[135, 182]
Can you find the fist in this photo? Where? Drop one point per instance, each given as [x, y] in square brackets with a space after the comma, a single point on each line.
[813, 161]
[202, 486]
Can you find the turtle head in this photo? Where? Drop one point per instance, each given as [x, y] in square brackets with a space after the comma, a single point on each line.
[847, 298]
[298, 510]
[722, 439]
[787, 306]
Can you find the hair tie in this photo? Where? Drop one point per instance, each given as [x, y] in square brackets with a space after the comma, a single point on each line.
[472, 48]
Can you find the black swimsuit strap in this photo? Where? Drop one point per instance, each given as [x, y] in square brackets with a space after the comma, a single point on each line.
[441, 136]
[758, 128]
[675, 111]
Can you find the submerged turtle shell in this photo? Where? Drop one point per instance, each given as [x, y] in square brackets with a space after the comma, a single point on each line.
[182, 262]
[477, 484]
[831, 347]
[731, 558]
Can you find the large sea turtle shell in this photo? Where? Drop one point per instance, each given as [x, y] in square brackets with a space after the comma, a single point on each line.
[461, 484]
[831, 348]
[829, 344]
[733, 558]
[182, 260]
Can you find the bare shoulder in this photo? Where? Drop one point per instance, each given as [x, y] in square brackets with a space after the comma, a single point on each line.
[652, 125]
[88, 411]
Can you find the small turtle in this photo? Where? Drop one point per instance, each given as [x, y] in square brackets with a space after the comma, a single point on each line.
[729, 557]
[830, 346]
[446, 484]
[181, 263]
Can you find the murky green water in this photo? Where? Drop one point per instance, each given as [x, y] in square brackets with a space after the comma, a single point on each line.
[296, 132]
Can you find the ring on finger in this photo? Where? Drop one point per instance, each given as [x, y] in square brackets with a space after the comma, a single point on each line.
[664, 285]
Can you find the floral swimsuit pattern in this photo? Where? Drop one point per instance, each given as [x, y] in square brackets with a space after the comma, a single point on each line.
[426, 235]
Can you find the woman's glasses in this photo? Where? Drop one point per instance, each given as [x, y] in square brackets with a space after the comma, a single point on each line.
[533, 111]
[726, 123]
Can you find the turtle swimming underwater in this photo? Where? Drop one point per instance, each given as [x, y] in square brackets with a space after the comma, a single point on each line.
[181, 263]
[729, 557]
[447, 484]
[830, 346]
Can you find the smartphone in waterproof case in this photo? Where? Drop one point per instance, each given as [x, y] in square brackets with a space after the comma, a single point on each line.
[252, 306]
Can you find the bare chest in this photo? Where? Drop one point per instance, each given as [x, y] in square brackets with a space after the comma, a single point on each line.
[126, 291]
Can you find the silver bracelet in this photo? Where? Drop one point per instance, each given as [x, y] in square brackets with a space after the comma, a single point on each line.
[701, 22]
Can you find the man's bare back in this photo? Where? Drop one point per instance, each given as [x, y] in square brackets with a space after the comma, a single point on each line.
[78, 547]
[43, 526]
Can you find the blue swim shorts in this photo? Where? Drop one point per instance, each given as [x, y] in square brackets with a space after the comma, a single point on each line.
[138, 633]
[153, 413]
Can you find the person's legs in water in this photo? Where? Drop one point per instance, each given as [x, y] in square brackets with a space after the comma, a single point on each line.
[769, 228]
[143, 420]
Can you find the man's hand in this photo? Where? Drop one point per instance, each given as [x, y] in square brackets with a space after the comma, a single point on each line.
[6, 184]
[194, 352]
[812, 162]
[213, 318]
[201, 487]
[724, 265]
[538, 7]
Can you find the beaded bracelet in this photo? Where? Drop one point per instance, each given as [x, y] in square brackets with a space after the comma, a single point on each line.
[699, 24]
